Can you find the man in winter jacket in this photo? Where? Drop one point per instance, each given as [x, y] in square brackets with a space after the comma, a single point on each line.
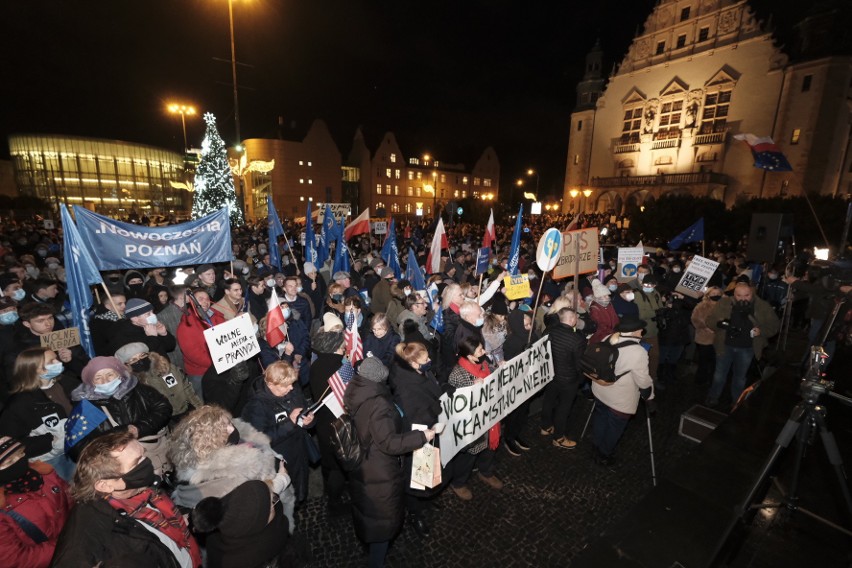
[618, 401]
[140, 324]
[120, 517]
[567, 346]
[745, 323]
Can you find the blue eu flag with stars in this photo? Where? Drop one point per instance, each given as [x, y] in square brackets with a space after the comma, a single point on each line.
[85, 419]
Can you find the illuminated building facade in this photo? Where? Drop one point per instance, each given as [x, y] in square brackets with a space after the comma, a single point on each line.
[699, 73]
[108, 176]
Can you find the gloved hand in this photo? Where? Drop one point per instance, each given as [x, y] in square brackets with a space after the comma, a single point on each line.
[651, 407]
[448, 389]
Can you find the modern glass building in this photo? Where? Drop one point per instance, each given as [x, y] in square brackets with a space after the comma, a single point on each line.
[108, 176]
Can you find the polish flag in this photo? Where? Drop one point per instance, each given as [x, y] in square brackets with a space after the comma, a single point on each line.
[360, 226]
[439, 241]
[573, 224]
[274, 321]
[490, 235]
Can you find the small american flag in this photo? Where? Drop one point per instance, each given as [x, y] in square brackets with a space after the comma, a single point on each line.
[354, 347]
[340, 379]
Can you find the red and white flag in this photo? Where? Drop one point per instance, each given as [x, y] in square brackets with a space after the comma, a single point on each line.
[439, 241]
[490, 235]
[573, 224]
[352, 339]
[274, 321]
[359, 226]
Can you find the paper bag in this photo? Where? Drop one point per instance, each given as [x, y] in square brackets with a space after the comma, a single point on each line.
[426, 466]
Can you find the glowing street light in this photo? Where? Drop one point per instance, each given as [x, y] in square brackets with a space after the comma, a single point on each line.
[182, 110]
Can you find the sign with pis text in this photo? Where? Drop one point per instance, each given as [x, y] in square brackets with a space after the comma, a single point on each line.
[471, 411]
[517, 286]
[231, 342]
[61, 339]
[337, 209]
[588, 253]
[695, 278]
[629, 259]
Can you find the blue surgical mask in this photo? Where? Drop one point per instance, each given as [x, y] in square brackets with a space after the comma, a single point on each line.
[19, 294]
[151, 320]
[425, 366]
[108, 388]
[8, 318]
[360, 319]
[299, 290]
[647, 289]
[480, 322]
[286, 312]
[52, 371]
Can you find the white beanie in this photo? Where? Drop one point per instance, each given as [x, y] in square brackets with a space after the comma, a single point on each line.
[599, 290]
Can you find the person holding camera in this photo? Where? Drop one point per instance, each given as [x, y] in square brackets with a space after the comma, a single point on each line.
[746, 323]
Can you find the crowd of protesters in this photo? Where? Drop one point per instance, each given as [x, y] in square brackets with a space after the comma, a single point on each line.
[186, 465]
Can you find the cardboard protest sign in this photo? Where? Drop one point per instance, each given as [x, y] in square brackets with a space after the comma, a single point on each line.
[61, 339]
[231, 342]
[471, 411]
[695, 278]
[587, 239]
[517, 287]
[629, 259]
[337, 209]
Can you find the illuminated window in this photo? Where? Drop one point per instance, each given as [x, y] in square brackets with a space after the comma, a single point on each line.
[414, 161]
[310, 181]
[419, 175]
[379, 205]
[443, 178]
[794, 138]
[670, 114]
[395, 207]
[714, 118]
[301, 163]
[310, 164]
[379, 188]
[417, 191]
[464, 194]
[388, 173]
[486, 182]
[410, 191]
[301, 180]
[396, 174]
[393, 158]
[456, 194]
[410, 174]
[576, 159]
[631, 125]
[396, 190]
[476, 181]
[387, 189]
[408, 207]
[464, 180]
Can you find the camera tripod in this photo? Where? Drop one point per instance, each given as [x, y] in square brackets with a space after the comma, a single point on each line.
[807, 419]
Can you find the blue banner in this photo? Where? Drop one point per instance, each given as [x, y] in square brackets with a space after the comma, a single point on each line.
[482, 260]
[692, 234]
[310, 241]
[121, 246]
[275, 231]
[515, 248]
[390, 252]
[80, 274]
[341, 253]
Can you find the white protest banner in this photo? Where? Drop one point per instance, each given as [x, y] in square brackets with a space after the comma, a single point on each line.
[696, 276]
[471, 411]
[337, 209]
[588, 253]
[629, 259]
[231, 342]
[380, 228]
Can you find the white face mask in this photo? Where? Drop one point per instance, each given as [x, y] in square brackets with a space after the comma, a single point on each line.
[271, 283]
[676, 269]
[629, 296]
[407, 291]
[151, 320]
[640, 276]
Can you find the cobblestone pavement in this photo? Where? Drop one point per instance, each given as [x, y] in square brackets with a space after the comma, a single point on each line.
[557, 501]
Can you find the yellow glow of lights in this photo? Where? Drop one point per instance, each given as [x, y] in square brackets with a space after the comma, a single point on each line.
[176, 108]
[587, 192]
[574, 193]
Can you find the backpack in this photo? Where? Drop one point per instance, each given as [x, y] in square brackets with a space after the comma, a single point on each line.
[599, 360]
[344, 440]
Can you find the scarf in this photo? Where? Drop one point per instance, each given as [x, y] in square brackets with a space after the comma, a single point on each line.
[108, 315]
[480, 371]
[455, 309]
[157, 510]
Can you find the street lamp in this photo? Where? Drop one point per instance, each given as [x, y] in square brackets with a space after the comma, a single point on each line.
[182, 110]
[586, 194]
[532, 172]
[234, 69]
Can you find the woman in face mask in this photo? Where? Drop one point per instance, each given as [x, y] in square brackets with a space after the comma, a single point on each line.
[334, 300]
[602, 312]
[128, 404]
[417, 393]
[8, 313]
[213, 453]
[156, 371]
[39, 406]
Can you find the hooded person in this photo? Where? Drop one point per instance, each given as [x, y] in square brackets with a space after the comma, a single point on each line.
[246, 528]
[623, 301]
[138, 408]
[134, 284]
[377, 484]
[31, 491]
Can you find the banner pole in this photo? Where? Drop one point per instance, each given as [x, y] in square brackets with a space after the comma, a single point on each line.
[292, 256]
[577, 276]
[479, 290]
[535, 306]
[702, 249]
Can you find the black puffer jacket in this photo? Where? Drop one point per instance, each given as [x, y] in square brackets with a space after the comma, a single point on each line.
[26, 411]
[566, 347]
[133, 403]
[125, 331]
[516, 341]
[377, 486]
[448, 342]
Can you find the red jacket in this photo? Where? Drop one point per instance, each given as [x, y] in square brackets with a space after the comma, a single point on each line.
[606, 318]
[47, 509]
[190, 337]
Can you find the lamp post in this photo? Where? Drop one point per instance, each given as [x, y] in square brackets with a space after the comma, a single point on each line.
[532, 172]
[234, 70]
[574, 193]
[586, 194]
[182, 110]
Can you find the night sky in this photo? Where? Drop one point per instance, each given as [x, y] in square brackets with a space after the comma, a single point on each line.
[448, 77]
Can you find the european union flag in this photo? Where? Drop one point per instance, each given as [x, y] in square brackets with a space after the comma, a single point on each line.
[390, 252]
[693, 234]
[413, 273]
[275, 231]
[80, 274]
[766, 153]
[515, 249]
[85, 419]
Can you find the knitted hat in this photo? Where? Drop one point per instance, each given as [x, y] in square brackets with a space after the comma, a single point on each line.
[624, 288]
[376, 262]
[651, 279]
[326, 341]
[340, 275]
[244, 511]
[598, 289]
[387, 272]
[99, 364]
[127, 352]
[13, 462]
[137, 307]
[131, 274]
[630, 323]
[309, 268]
[372, 369]
[329, 321]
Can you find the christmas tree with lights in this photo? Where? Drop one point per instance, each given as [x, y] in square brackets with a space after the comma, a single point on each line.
[214, 182]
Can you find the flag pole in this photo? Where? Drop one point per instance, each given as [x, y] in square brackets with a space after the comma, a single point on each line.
[577, 275]
[535, 304]
[111, 301]
[702, 249]
[290, 250]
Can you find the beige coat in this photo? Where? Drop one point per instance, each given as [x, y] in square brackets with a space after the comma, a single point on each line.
[767, 321]
[704, 335]
[623, 394]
